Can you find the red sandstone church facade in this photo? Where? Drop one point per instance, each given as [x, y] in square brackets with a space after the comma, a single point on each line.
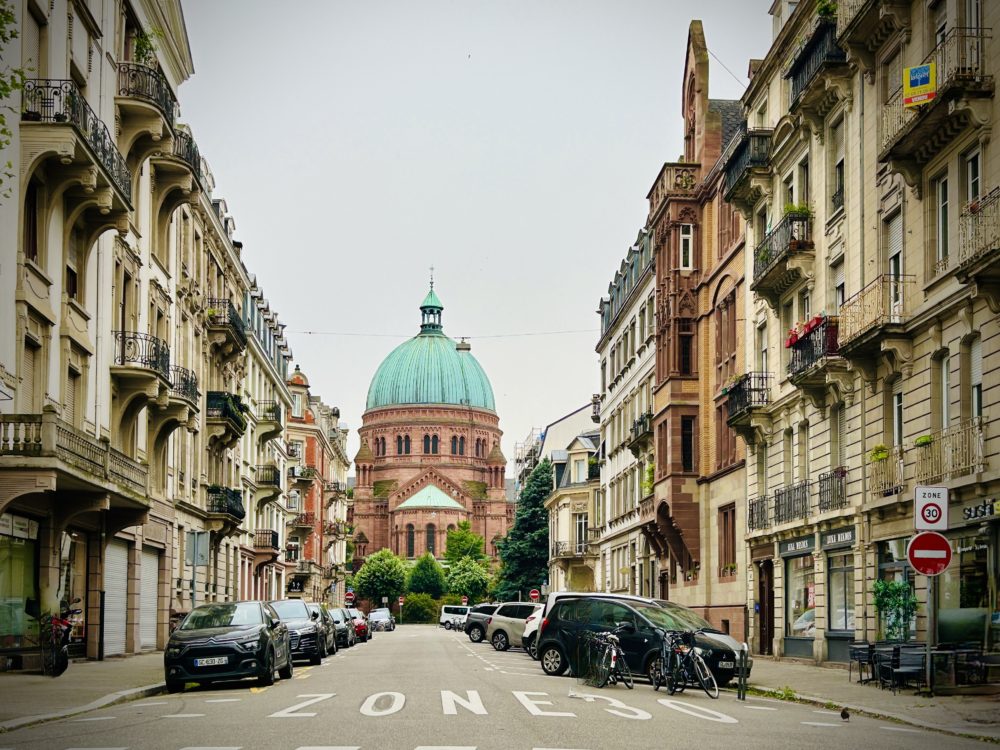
[430, 449]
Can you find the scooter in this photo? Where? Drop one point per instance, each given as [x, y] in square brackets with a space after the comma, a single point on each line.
[55, 658]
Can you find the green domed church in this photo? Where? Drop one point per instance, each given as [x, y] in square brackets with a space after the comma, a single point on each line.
[430, 448]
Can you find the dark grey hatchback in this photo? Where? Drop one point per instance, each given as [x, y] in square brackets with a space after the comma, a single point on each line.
[227, 642]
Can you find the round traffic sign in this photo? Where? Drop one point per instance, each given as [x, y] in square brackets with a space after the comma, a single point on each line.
[465, 600]
[401, 600]
[349, 597]
[535, 595]
[931, 512]
[929, 553]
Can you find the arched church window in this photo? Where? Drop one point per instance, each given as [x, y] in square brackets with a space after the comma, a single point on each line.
[427, 443]
[461, 446]
[410, 539]
[434, 445]
[430, 538]
[399, 445]
[406, 444]
[454, 445]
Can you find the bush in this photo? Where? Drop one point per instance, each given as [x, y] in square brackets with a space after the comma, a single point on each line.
[420, 608]
[426, 577]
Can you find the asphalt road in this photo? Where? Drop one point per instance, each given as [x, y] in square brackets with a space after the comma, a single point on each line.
[422, 687]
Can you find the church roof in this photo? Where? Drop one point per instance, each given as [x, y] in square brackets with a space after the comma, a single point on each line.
[430, 496]
[496, 456]
[364, 453]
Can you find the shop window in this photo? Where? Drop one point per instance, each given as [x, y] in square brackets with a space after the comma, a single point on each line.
[800, 597]
[18, 584]
[964, 609]
[840, 594]
[893, 566]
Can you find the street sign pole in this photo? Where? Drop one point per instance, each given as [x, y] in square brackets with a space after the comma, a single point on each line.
[932, 629]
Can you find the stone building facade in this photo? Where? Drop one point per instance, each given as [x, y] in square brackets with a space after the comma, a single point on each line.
[572, 506]
[430, 449]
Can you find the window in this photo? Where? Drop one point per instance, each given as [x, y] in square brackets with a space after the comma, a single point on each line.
[461, 446]
[892, 566]
[788, 188]
[727, 540]
[406, 444]
[434, 444]
[944, 382]
[941, 224]
[685, 347]
[725, 439]
[896, 413]
[838, 433]
[399, 445]
[800, 597]
[803, 451]
[840, 598]
[686, 247]
[431, 537]
[976, 376]
[804, 181]
[30, 366]
[297, 405]
[837, 274]
[786, 457]
[580, 526]
[837, 165]
[454, 445]
[762, 347]
[30, 238]
[687, 443]
[805, 305]
[410, 539]
[973, 185]
[427, 444]
[72, 263]
[787, 322]
[70, 413]
[580, 470]
[761, 469]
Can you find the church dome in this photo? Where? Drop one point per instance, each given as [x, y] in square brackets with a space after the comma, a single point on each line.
[431, 368]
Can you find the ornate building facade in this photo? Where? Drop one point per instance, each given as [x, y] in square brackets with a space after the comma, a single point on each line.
[430, 448]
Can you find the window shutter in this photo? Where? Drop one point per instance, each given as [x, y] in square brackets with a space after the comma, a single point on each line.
[976, 362]
[28, 378]
[837, 147]
[895, 235]
[72, 385]
[841, 433]
[31, 36]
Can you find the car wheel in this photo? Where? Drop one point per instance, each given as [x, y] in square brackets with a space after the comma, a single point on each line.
[476, 634]
[285, 672]
[316, 657]
[266, 676]
[553, 661]
[175, 686]
[529, 647]
[500, 642]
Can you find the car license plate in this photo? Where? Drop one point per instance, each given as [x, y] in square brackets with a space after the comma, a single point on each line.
[211, 661]
[726, 665]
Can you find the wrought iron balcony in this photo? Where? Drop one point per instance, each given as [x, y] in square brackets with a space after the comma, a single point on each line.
[302, 473]
[783, 257]
[759, 513]
[814, 347]
[138, 81]
[748, 151]
[269, 424]
[267, 474]
[265, 539]
[225, 324]
[334, 486]
[48, 100]
[952, 452]
[833, 490]
[570, 550]
[184, 384]
[886, 470]
[818, 53]
[142, 350]
[225, 501]
[791, 503]
[304, 520]
[979, 237]
[268, 411]
[962, 74]
[751, 391]
[228, 408]
[641, 434]
[885, 303]
[187, 151]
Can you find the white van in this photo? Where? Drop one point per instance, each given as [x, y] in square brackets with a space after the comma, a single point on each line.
[453, 615]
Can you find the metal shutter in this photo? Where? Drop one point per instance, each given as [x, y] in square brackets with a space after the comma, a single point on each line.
[115, 597]
[72, 384]
[28, 378]
[895, 235]
[976, 362]
[149, 578]
[841, 433]
[30, 44]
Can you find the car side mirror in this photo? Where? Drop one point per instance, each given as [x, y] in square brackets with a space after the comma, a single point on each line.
[275, 622]
[626, 627]
[315, 615]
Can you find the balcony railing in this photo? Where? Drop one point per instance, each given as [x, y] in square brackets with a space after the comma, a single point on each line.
[334, 486]
[184, 383]
[141, 349]
[143, 82]
[268, 411]
[791, 234]
[846, 11]
[570, 549]
[749, 392]
[952, 452]
[227, 501]
[58, 101]
[642, 427]
[814, 346]
[759, 513]
[223, 405]
[186, 150]
[223, 313]
[885, 301]
[959, 57]
[267, 475]
[749, 149]
[833, 489]
[820, 50]
[674, 178]
[979, 228]
[304, 519]
[791, 503]
[265, 539]
[886, 471]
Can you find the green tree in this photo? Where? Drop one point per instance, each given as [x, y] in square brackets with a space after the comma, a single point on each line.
[469, 577]
[426, 576]
[11, 80]
[419, 608]
[464, 542]
[383, 574]
[524, 552]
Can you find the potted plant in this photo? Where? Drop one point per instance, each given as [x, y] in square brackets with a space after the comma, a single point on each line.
[896, 605]
[793, 336]
[826, 9]
[879, 453]
[923, 440]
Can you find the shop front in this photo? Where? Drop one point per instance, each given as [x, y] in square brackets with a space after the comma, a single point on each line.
[800, 595]
[837, 547]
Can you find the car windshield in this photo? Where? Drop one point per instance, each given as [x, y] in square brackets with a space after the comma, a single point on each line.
[292, 609]
[355, 613]
[672, 617]
[378, 615]
[223, 616]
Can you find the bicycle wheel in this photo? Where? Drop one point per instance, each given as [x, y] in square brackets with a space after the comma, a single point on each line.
[602, 668]
[705, 676]
[624, 673]
[676, 678]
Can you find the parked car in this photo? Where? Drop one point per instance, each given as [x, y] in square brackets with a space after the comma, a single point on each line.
[505, 626]
[303, 629]
[381, 619]
[453, 615]
[529, 638]
[346, 637]
[560, 632]
[361, 629]
[327, 630]
[475, 621]
[227, 641]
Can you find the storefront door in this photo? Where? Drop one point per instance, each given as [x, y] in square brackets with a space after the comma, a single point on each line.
[148, 597]
[115, 597]
[765, 601]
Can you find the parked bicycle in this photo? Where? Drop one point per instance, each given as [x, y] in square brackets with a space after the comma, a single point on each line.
[681, 665]
[607, 660]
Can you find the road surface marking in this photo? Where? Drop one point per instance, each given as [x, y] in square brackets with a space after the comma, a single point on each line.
[94, 748]
[96, 718]
[699, 712]
[329, 747]
[533, 705]
[818, 724]
[223, 700]
[761, 708]
[828, 713]
[445, 747]
[472, 702]
[181, 716]
[618, 707]
[207, 747]
[900, 729]
[152, 703]
[257, 689]
[368, 708]
[293, 711]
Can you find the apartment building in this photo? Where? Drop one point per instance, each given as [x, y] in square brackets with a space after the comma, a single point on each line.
[571, 505]
[143, 371]
[626, 350]
[872, 328]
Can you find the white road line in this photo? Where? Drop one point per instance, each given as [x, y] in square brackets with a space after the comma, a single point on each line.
[96, 718]
[900, 729]
[223, 700]
[828, 713]
[818, 724]
[94, 748]
[761, 708]
[182, 716]
[152, 703]
[200, 747]
[329, 747]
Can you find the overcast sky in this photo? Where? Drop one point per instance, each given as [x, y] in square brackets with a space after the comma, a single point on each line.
[509, 144]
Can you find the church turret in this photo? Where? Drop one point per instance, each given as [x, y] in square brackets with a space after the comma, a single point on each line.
[430, 312]
[496, 464]
[364, 461]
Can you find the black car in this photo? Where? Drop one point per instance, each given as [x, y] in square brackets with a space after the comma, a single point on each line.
[559, 638]
[227, 641]
[475, 622]
[346, 637]
[325, 626]
[303, 629]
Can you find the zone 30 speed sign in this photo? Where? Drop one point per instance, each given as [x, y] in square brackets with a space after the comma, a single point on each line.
[930, 509]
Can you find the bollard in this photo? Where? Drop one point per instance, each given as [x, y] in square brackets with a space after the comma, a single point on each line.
[741, 680]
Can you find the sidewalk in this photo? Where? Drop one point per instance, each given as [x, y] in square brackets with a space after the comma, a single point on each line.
[974, 715]
[86, 685]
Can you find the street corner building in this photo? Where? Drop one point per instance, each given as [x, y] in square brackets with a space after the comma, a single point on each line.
[430, 448]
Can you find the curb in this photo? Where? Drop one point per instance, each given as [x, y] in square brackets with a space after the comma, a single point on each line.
[118, 697]
[968, 732]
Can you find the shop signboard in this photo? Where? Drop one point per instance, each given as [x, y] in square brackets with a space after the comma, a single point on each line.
[799, 546]
[6, 524]
[930, 509]
[981, 511]
[837, 538]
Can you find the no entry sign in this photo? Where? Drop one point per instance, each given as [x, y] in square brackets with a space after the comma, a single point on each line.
[465, 599]
[535, 595]
[349, 597]
[929, 553]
